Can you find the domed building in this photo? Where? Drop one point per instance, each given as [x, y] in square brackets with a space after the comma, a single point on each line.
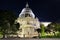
[28, 23]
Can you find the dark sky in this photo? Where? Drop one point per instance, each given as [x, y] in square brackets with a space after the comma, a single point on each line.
[45, 10]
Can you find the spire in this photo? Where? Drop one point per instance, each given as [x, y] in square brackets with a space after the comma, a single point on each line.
[27, 5]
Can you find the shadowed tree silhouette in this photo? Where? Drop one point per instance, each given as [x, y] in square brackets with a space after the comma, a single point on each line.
[7, 19]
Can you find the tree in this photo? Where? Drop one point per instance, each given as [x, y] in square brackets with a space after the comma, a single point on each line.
[55, 26]
[7, 19]
[42, 29]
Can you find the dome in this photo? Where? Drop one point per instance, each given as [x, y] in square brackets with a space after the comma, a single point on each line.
[27, 12]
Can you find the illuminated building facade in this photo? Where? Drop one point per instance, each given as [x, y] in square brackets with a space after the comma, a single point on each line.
[28, 23]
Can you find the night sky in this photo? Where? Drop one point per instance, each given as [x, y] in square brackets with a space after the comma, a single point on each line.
[45, 10]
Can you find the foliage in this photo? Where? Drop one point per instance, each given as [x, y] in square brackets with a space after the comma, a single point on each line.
[42, 30]
[54, 26]
[7, 19]
[57, 27]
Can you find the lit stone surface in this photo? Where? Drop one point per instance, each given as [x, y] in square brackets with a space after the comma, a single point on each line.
[28, 23]
[26, 10]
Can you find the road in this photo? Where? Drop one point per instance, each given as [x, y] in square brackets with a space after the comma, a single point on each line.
[30, 39]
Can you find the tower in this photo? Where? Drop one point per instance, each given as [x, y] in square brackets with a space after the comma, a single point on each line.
[28, 23]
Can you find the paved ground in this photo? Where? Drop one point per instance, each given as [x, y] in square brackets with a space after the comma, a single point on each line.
[30, 39]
